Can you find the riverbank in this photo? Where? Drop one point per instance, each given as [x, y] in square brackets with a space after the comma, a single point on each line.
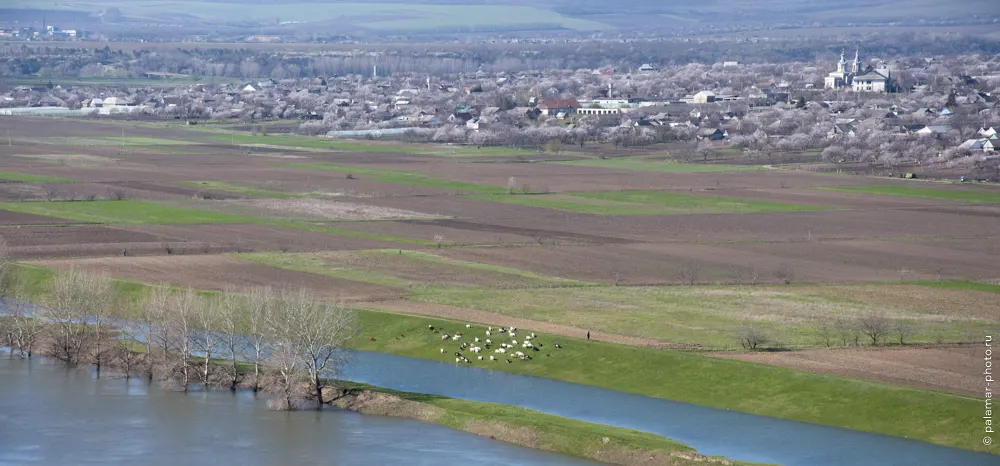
[525, 427]
[925, 415]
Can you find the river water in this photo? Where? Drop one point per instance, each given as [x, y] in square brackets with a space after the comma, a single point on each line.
[53, 416]
[711, 431]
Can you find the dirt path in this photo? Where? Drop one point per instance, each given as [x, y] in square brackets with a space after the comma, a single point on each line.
[472, 315]
[953, 369]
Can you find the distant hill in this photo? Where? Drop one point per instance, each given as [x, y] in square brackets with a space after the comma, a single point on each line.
[390, 16]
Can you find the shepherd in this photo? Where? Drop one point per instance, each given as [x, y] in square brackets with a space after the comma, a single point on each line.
[588, 335]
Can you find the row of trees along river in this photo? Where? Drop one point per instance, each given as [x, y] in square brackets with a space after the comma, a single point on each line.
[282, 342]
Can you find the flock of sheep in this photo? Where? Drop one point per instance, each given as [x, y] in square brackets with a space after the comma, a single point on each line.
[514, 349]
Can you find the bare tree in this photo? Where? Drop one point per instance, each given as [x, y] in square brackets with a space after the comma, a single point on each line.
[318, 330]
[689, 273]
[233, 342]
[155, 312]
[785, 274]
[283, 377]
[205, 337]
[123, 354]
[875, 326]
[750, 337]
[23, 330]
[753, 273]
[260, 305]
[68, 339]
[99, 301]
[824, 330]
[902, 330]
[184, 307]
[844, 330]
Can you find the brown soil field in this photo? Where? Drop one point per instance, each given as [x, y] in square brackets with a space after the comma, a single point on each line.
[263, 237]
[427, 230]
[489, 318]
[907, 260]
[775, 226]
[950, 369]
[222, 272]
[17, 218]
[68, 235]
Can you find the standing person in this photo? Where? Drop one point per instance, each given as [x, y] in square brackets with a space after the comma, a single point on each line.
[588, 335]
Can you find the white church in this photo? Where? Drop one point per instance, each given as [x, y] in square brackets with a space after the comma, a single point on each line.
[859, 79]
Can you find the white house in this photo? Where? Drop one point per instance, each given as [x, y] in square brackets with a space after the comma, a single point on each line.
[703, 97]
[872, 81]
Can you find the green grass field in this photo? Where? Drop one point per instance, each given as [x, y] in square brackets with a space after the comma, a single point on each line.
[959, 194]
[961, 285]
[239, 189]
[645, 203]
[665, 167]
[32, 178]
[711, 315]
[918, 414]
[126, 212]
[401, 177]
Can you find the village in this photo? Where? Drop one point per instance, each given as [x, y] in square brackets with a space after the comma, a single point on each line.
[932, 116]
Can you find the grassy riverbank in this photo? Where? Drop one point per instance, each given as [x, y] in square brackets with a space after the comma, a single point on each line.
[526, 427]
[925, 415]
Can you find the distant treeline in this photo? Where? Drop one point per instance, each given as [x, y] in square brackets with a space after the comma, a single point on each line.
[443, 59]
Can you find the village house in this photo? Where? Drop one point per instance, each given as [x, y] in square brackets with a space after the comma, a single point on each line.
[979, 145]
[553, 107]
[711, 134]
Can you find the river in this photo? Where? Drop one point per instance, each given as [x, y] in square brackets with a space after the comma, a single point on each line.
[711, 431]
[52, 415]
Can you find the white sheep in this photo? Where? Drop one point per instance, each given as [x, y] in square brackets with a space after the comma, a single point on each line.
[512, 334]
[488, 341]
[442, 350]
[527, 344]
[456, 337]
[477, 339]
[445, 336]
[532, 334]
[480, 358]
[476, 349]
[519, 354]
[529, 337]
[513, 328]
[488, 333]
[513, 342]
[492, 358]
[468, 326]
[502, 351]
[458, 360]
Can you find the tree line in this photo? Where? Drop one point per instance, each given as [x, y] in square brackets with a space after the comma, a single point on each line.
[282, 342]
